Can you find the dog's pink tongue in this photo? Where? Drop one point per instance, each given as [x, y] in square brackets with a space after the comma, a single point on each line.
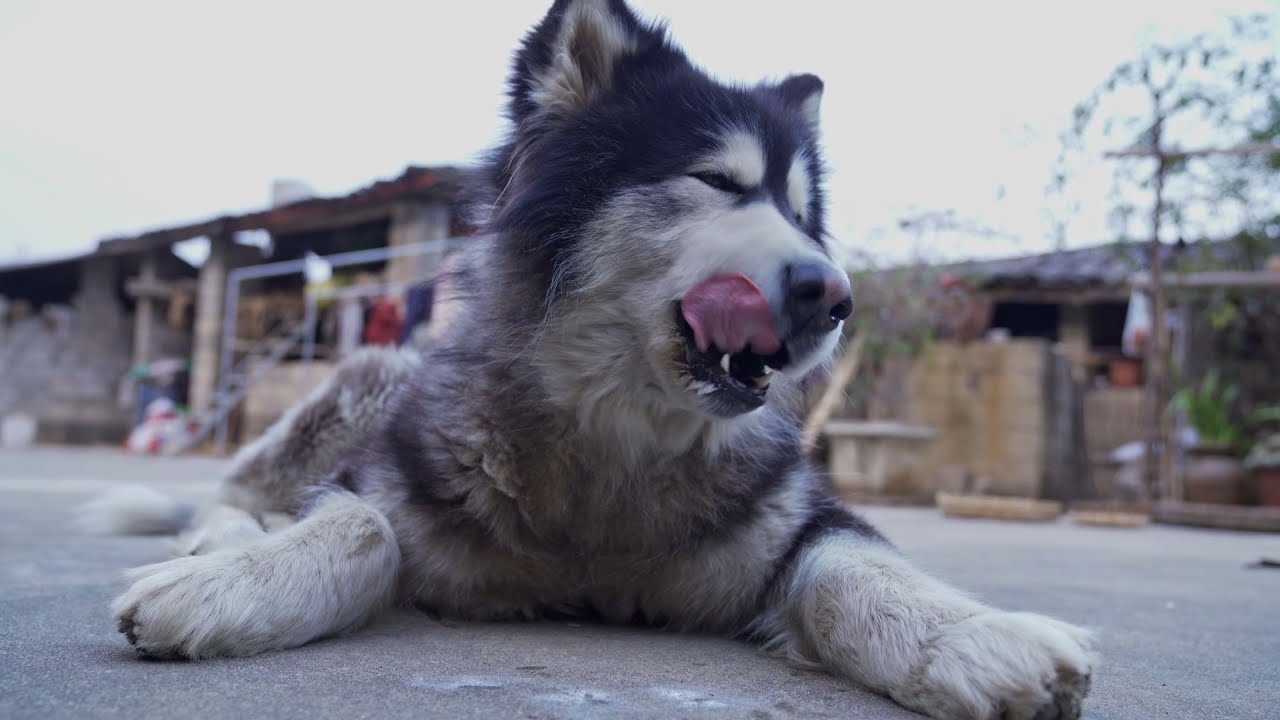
[731, 313]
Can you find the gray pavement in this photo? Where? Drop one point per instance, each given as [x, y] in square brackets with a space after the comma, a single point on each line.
[1187, 630]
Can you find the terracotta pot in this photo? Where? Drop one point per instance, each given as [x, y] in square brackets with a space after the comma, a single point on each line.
[1267, 482]
[1213, 476]
[1125, 372]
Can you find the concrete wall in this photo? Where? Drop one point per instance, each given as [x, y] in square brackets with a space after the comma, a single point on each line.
[64, 365]
[281, 388]
[415, 222]
[207, 334]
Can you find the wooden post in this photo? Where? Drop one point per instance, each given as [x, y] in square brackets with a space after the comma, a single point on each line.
[1158, 468]
[831, 397]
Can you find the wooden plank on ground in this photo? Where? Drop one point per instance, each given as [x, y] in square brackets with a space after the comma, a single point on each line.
[1223, 517]
[831, 398]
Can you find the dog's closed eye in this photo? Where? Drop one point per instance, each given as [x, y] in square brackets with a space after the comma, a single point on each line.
[719, 181]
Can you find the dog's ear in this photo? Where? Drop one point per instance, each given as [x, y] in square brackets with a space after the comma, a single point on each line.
[568, 59]
[804, 93]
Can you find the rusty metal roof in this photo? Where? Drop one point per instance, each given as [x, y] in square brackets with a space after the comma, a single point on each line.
[443, 184]
[24, 264]
[1097, 266]
[1108, 266]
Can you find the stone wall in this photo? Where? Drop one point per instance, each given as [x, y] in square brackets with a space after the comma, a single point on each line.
[63, 365]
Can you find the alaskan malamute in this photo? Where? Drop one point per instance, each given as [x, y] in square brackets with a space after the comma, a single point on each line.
[609, 423]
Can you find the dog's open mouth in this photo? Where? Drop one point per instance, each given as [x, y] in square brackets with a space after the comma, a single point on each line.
[745, 374]
[732, 349]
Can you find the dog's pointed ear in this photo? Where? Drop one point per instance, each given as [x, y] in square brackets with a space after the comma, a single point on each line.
[569, 58]
[804, 93]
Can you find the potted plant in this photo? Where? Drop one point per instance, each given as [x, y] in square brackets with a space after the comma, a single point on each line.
[1263, 461]
[1213, 472]
[1124, 372]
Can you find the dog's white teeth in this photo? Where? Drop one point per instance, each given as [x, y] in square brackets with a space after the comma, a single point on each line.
[768, 370]
[762, 381]
[724, 362]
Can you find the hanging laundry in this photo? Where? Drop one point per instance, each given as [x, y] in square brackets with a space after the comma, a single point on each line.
[417, 308]
[385, 323]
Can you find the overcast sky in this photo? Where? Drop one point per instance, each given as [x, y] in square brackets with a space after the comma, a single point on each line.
[120, 116]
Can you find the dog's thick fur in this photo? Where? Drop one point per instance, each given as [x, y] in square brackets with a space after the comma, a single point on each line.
[554, 451]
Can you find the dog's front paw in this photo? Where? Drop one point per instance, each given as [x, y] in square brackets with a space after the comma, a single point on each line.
[191, 607]
[1011, 666]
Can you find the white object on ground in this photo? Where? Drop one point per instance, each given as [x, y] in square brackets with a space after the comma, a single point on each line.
[17, 431]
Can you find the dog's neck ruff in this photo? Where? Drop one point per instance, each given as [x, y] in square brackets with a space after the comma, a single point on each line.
[632, 418]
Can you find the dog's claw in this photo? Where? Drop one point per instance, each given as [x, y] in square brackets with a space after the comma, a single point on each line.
[1067, 700]
[127, 626]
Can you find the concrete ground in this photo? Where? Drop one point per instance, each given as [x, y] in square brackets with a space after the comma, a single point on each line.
[1187, 630]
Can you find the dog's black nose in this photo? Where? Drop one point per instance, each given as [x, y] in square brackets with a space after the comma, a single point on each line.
[818, 297]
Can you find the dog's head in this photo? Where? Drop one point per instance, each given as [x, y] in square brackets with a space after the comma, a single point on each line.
[674, 222]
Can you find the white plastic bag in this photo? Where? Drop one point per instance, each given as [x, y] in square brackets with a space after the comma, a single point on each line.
[1137, 326]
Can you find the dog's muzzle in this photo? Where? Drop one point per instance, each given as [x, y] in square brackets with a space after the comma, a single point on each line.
[735, 340]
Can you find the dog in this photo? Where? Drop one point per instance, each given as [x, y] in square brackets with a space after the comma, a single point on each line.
[609, 424]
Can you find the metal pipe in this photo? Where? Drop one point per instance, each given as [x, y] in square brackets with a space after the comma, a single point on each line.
[354, 257]
[288, 267]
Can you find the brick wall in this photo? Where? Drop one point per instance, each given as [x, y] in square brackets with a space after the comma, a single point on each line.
[988, 403]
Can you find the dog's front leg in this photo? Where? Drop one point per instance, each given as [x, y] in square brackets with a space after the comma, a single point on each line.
[322, 576]
[863, 611]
